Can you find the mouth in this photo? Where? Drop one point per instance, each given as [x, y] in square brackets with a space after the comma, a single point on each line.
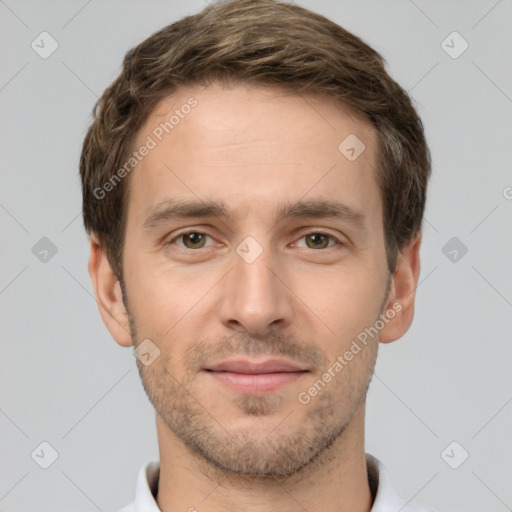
[256, 377]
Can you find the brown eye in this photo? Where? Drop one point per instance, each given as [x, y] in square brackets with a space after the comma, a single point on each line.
[319, 240]
[191, 240]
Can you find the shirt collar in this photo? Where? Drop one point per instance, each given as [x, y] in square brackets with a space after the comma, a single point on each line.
[386, 498]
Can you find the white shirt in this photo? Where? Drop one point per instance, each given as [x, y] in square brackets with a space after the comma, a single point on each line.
[386, 498]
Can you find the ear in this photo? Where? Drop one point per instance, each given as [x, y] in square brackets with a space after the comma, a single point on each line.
[108, 295]
[402, 292]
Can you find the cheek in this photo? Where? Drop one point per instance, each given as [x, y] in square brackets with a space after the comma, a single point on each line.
[171, 307]
[342, 302]
[162, 293]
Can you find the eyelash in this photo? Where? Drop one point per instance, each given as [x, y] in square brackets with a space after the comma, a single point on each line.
[328, 235]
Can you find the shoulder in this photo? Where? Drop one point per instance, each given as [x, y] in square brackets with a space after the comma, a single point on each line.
[128, 508]
[145, 489]
[387, 498]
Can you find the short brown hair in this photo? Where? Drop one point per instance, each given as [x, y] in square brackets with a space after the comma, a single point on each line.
[264, 42]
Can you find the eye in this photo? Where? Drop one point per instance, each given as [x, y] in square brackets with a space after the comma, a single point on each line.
[318, 240]
[191, 239]
[197, 240]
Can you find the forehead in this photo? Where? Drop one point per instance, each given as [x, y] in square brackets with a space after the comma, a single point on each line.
[253, 147]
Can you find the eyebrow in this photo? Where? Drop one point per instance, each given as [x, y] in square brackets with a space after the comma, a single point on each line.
[168, 210]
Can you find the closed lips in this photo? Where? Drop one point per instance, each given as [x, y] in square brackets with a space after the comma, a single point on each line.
[255, 368]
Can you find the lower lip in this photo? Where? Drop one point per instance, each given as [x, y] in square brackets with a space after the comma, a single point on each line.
[256, 383]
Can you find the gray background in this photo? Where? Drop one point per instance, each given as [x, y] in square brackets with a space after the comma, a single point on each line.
[63, 379]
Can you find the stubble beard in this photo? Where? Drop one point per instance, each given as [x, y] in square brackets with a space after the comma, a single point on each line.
[280, 453]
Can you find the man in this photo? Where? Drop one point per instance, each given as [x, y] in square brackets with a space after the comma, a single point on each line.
[254, 184]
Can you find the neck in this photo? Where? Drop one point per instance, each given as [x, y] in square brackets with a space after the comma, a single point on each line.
[336, 481]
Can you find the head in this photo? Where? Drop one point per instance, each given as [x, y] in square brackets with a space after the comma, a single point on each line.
[254, 185]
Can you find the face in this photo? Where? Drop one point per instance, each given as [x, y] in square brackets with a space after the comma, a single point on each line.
[254, 257]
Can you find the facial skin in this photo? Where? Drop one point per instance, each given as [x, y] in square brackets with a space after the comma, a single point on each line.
[304, 299]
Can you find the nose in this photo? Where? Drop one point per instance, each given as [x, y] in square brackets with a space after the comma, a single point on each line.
[254, 296]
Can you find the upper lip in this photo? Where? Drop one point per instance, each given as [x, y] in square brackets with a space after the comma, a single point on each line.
[256, 367]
